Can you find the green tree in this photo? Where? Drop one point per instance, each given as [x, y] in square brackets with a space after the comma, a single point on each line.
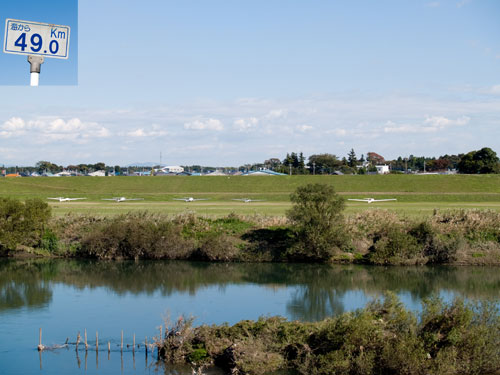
[351, 159]
[323, 163]
[301, 164]
[99, 166]
[482, 161]
[47, 166]
[317, 222]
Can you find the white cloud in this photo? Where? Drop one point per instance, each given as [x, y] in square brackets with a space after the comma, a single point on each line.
[433, 4]
[13, 127]
[15, 123]
[441, 122]
[245, 124]
[55, 129]
[156, 131]
[209, 124]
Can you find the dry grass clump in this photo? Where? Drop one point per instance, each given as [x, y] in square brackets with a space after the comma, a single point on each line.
[453, 237]
[368, 223]
[475, 224]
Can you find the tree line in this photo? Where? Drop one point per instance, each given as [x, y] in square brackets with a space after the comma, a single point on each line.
[481, 161]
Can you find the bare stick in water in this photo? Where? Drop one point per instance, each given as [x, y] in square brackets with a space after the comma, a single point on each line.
[86, 346]
[40, 346]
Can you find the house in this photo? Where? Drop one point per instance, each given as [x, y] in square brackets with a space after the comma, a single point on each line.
[382, 169]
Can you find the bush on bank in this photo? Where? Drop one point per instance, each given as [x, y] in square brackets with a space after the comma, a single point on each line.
[22, 223]
[383, 338]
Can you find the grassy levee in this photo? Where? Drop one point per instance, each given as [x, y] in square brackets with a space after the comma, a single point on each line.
[415, 194]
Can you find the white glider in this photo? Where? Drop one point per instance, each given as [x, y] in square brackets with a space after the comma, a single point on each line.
[248, 200]
[63, 199]
[190, 199]
[371, 200]
[122, 199]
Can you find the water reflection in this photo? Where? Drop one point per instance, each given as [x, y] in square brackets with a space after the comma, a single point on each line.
[318, 290]
[22, 285]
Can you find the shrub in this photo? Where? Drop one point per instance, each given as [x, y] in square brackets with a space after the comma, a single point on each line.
[216, 247]
[49, 241]
[317, 222]
[382, 338]
[22, 223]
[395, 247]
[136, 236]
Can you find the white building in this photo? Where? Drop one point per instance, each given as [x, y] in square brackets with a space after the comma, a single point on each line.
[98, 174]
[382, 169]
[172, 169]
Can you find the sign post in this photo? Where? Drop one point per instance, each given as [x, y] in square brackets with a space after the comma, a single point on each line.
[37, 40]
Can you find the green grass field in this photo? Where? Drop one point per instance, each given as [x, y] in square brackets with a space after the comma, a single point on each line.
[416, 195]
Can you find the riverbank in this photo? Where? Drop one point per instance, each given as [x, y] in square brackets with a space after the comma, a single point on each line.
[308, 234]
[382, 338]
[374, 237]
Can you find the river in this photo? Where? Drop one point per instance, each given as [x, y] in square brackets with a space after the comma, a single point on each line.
[64, 297]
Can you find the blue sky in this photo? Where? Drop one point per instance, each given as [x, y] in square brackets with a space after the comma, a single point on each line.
[15, 68]
[233, 82]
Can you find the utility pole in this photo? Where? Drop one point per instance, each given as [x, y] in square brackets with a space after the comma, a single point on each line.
[290, 168]
[314, 168]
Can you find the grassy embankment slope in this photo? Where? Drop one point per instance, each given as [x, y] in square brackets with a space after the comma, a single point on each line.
[415, 195]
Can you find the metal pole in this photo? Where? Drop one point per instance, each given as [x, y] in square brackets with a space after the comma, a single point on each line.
[35, 62]
[34, 79]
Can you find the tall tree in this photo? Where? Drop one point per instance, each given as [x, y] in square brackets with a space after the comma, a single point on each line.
[317, 220]
[352, 161]
[302, 164]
